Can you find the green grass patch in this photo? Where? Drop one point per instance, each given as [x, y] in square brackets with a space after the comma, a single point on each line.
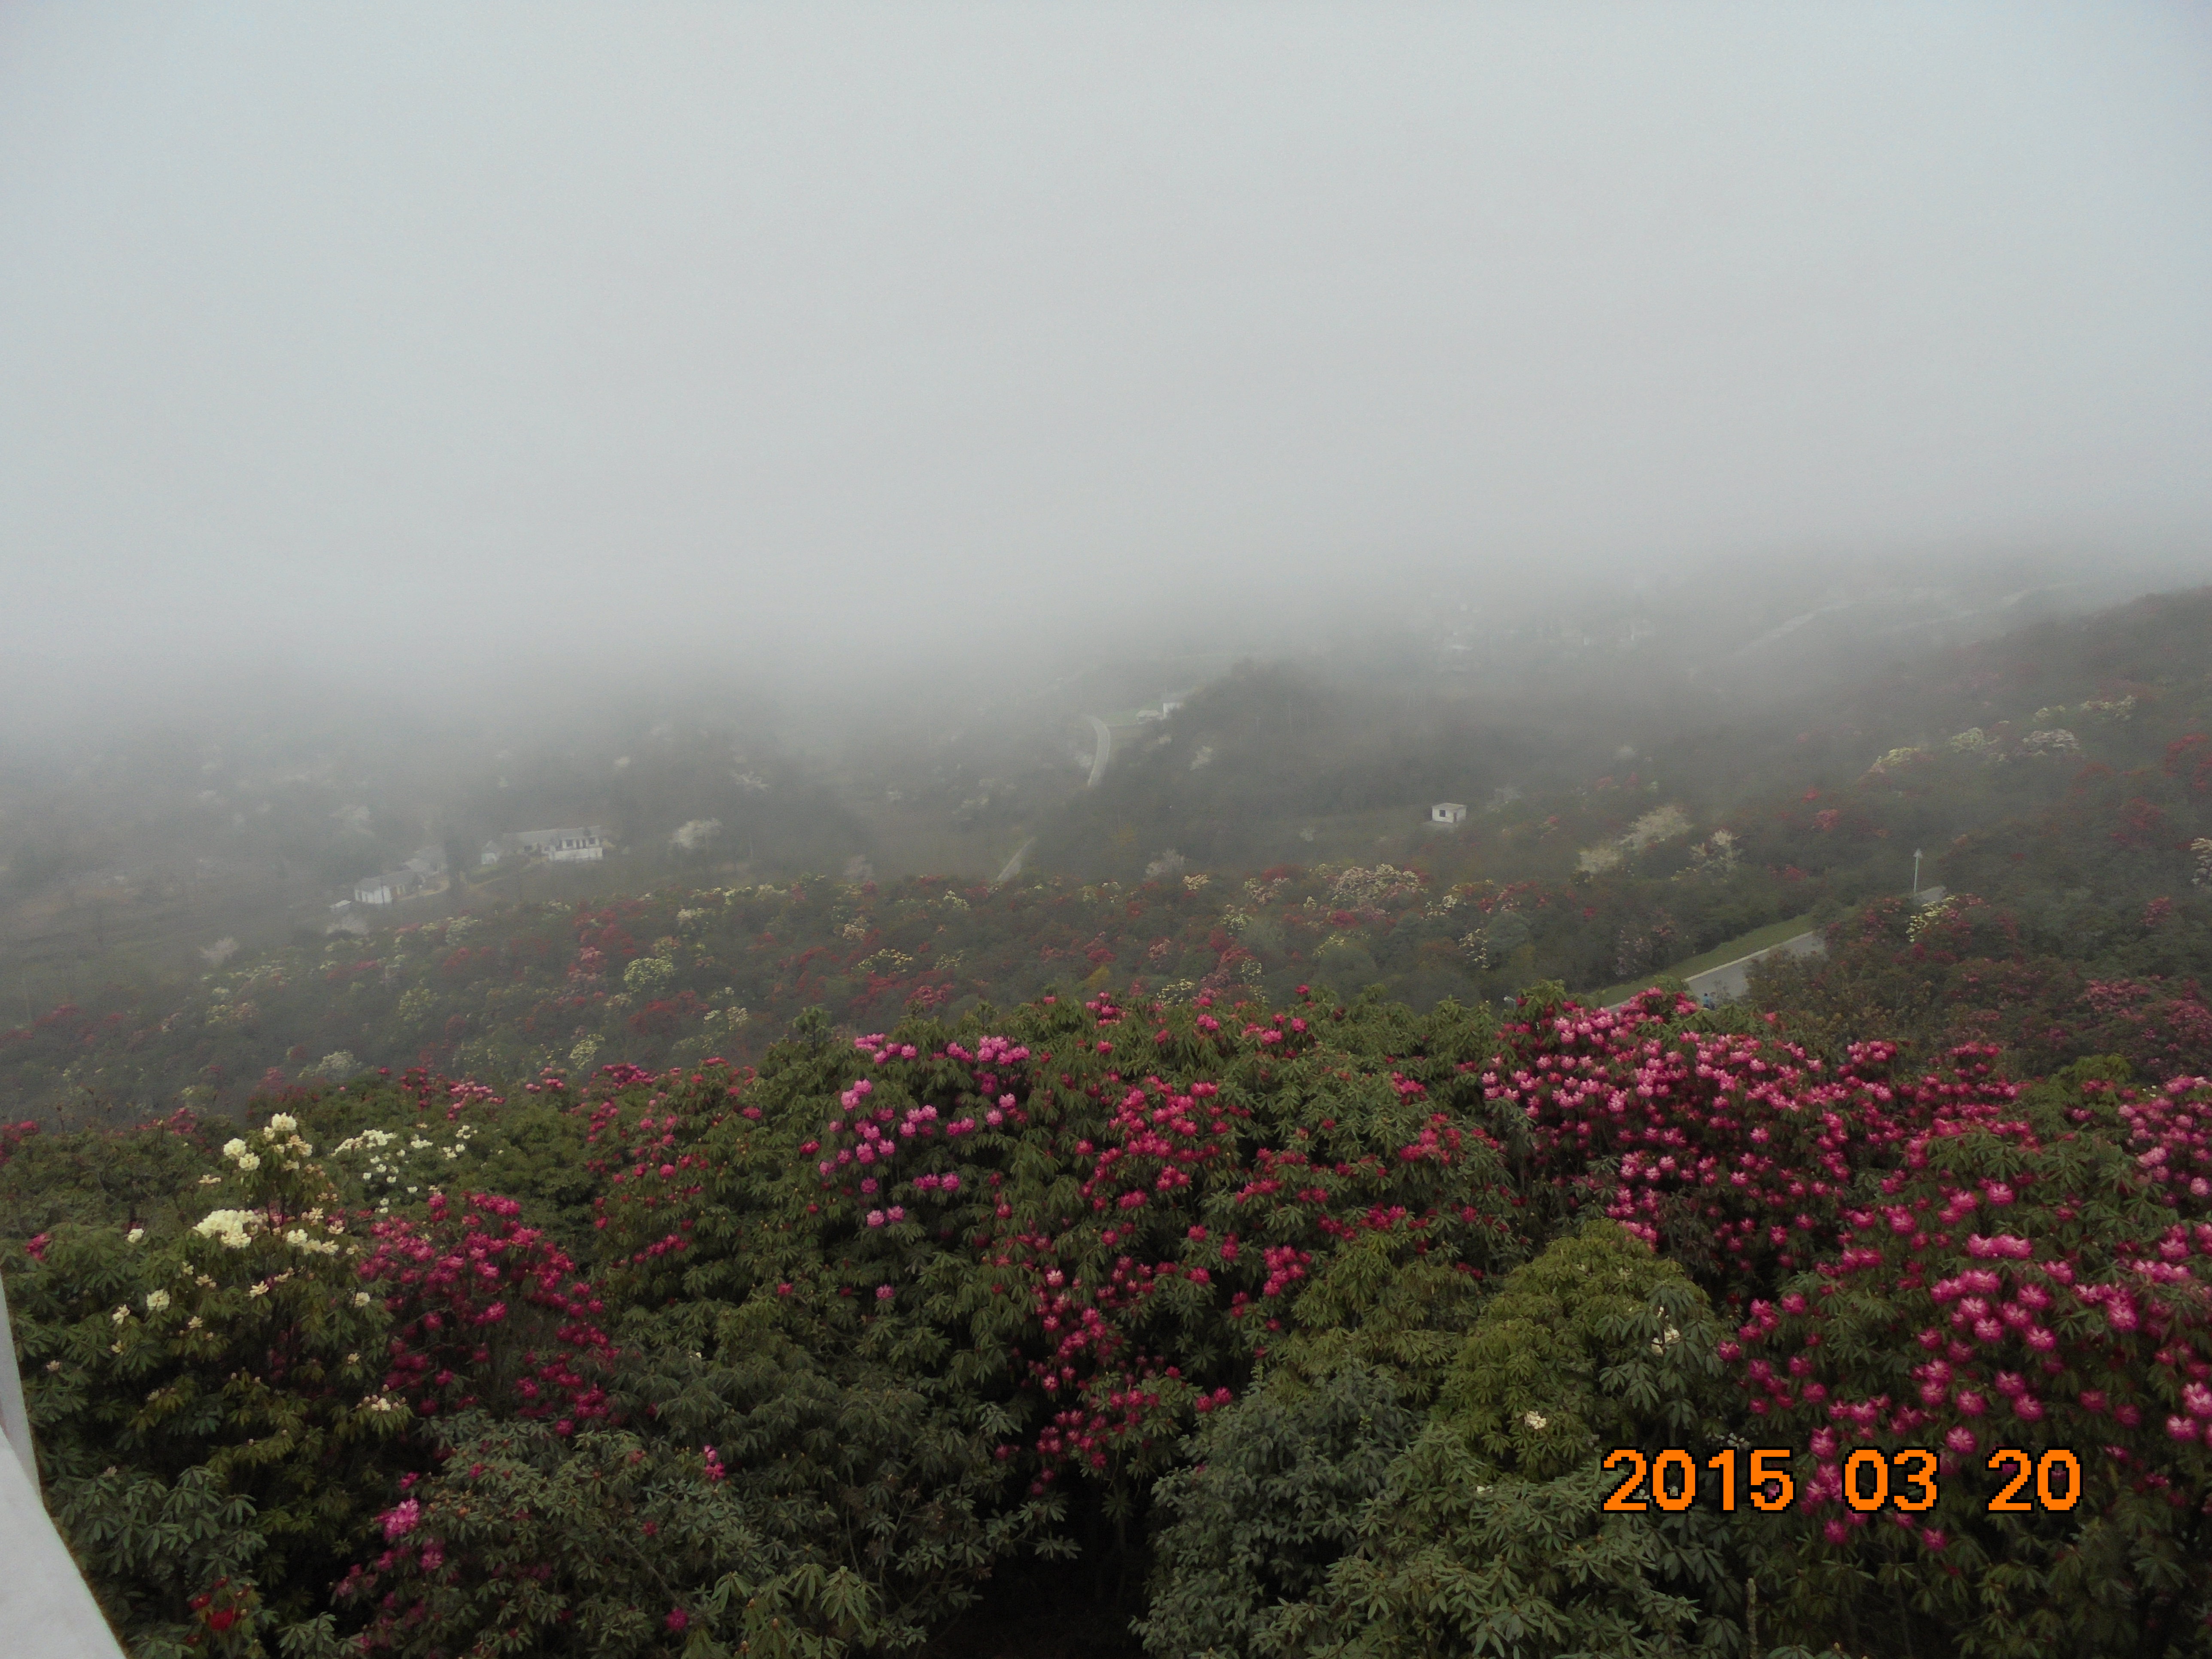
[1743, 945]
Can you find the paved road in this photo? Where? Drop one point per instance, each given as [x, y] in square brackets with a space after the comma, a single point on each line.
[1732, 978]
[1014, 864]
[1104, 751]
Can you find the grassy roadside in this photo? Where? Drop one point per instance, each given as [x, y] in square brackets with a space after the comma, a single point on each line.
[1743, 945]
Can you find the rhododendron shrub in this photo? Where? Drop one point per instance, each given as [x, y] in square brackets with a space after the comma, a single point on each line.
[206, 1397]
[863, 1464]
[1085, 1222]
[1488, 1533]
[2036, 1281]
[1731, 1149]
[149, 1172]
[604, 1544]
[487, 1311]
[2050, 988]
[390, 1143]
[1276, 1491]
[812, 1359]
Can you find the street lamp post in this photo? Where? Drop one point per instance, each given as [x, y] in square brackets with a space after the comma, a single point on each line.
[1916, 873]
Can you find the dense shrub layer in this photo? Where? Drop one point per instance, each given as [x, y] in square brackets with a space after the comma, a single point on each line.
[1311, 1325]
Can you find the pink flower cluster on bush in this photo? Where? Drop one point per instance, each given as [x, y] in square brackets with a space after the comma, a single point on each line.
[929, 1138]
[1746, 1141]
[2019, 1283]
[487, 1311]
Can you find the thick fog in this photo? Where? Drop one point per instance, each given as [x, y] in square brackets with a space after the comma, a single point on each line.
[516, 345]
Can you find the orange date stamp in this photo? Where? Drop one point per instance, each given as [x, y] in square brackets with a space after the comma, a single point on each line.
[1870, 1480]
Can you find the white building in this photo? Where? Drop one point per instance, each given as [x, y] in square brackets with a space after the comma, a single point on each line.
[1447, 814]
[586, 844]
[387, 889]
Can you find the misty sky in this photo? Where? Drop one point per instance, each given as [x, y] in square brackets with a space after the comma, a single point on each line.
[406, 336]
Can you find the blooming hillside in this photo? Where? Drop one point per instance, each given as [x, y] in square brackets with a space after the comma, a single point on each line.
[1304, 1324]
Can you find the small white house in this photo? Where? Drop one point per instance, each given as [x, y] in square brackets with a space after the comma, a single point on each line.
[390, 887]
[586, 844]
[1447, 814]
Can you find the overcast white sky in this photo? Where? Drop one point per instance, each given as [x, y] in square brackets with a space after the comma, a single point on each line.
[419, 334]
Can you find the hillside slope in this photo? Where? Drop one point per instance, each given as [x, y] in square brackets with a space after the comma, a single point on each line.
[2060, 779]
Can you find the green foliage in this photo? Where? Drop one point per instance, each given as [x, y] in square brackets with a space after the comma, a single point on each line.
[1486, 1535]
[1596, 1343]
[1274, 1494]
[389, 1144]
[1468, 1564]
[1380, 1301]
[648, 974]
[156, 1549]
[608, 1545]
[874, 1482]
[149, 1174]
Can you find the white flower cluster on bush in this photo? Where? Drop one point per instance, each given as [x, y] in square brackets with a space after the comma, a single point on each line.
[233, 1228]
[648, 974]
[282, 1137]
[391, 1160]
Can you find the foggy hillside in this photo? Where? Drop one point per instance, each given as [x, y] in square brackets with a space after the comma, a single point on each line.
[1310, 831]
[1433, 832]
[150, 839]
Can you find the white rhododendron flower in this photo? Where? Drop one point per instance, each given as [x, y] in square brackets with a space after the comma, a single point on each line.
[234, 1229]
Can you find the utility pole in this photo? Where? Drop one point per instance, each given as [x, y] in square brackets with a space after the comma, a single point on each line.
[1916, 874]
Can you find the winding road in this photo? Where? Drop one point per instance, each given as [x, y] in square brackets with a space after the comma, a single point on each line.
[1733, 979]
[1104, 751]
[1014, 864]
